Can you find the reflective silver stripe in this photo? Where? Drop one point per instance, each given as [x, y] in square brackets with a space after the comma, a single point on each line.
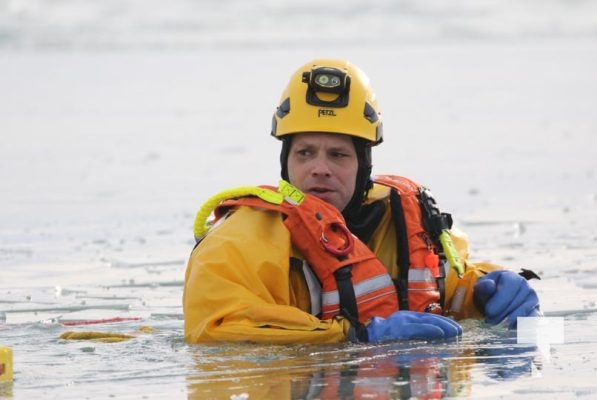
[330, 298]
[314, 288]
[458, 299]
[420, 275]
[360, 289]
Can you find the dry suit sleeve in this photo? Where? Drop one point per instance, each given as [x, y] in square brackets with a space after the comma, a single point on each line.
[459, 291]
[237, 287]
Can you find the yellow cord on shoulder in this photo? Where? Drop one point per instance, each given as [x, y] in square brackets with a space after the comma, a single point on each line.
[201, 227]
[286, 191]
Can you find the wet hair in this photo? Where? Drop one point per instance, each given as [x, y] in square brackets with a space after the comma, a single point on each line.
[363, 179]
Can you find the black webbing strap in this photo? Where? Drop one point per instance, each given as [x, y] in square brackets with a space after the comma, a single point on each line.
[347, 296]
[435, 222]
[441, 281]
[403, 251]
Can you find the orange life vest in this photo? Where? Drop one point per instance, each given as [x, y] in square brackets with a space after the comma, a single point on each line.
[354, 282]
[346, 268]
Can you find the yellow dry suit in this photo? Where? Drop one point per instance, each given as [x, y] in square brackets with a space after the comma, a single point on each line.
[254, 278]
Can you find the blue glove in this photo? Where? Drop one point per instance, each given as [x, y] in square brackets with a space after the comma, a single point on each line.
[505, 295]
[404, 325]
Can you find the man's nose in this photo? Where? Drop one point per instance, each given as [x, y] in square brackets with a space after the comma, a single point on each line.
[321, 166]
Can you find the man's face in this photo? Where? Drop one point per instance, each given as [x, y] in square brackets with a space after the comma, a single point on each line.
[324, 165]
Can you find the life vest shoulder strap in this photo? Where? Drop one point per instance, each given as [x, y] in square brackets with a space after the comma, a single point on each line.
[406, 206]
[403, 184]
[418, 248]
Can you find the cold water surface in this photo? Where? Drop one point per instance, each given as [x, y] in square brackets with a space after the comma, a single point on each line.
[156, 363]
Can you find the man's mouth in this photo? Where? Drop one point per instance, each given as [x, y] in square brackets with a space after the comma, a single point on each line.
[319, 190]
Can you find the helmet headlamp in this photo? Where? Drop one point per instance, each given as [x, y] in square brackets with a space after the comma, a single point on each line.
[327, 80]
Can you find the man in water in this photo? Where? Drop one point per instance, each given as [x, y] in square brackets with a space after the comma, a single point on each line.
[334, 253]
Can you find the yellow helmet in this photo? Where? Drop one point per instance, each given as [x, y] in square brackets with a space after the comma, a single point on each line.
[329, 95]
